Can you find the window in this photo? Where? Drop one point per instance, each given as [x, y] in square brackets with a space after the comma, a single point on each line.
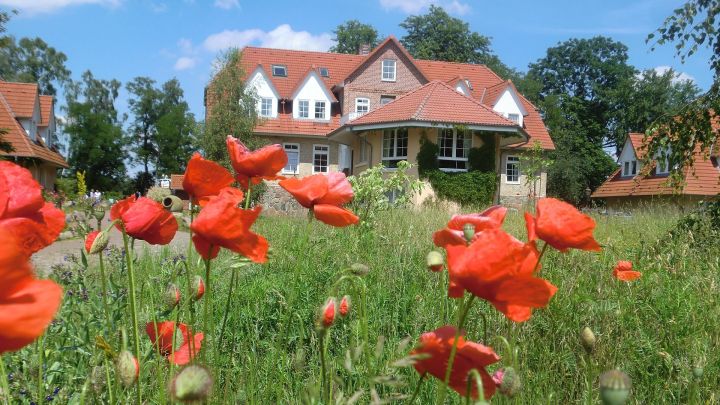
[454, 147]
[324, 72]
[395, 146]
[663, 166]
[388, 70]
[304, 109]
[386, 99]
[320, 158]
[512, 169]
[320, 110]
[363, 150]
[514, 118]
[266, 107]
[362, 105]
[279, 70]
[293, 153]
[468, 84]
[630, 168]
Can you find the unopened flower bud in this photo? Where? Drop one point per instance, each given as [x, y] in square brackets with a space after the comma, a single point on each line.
[198, 287]
[435, 260]
[99, 213]
[614, 387]
[587, 337]
[507, 381]
[698, 372]
[172, 296]
[191, 384]
[96, 241]
[359, 269]
[469, 232]
[344, 306]
[327, 313]
[127, 368]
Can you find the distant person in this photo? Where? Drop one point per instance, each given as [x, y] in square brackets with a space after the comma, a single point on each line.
[138, 194]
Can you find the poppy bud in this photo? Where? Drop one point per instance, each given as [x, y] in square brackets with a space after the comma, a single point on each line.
[172, 296]
[191, 384]
[698, 372]
[344, 306]
[614, 387]
[127, 368]
[327, 313]
[198, 287]
[435, 260]
[587, 337]
[507, 381]
[469, 232]
[98, 213]
[96, 241]
[359, 269]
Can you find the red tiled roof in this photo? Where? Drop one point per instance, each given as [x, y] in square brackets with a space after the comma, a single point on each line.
[434, 102]
[388, 41]
[20, 97]
[46, 106]
[285, 124]
[176, 181]
[493, 93]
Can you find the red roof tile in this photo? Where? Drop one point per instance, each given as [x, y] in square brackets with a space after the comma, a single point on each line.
[285, 124]
[176, 181]
[21, 97]
[46, 107]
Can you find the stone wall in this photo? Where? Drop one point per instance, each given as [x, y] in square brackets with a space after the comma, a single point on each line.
[276, 201]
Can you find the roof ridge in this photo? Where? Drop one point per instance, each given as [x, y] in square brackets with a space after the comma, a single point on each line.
[22, 83]
[18, 127]
[480, 104]
[421, 106]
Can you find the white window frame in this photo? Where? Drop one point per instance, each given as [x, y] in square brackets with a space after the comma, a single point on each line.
[454, 156]
[516, 162]
[316, 104]
[389, 99]
[279, 67]
[325, 152]
[516, 118]
[297, 150]
[307, 109]
[390, 77]
[363, 152]
[362, 102]
[270, 109]
[629, 168]
[393, 156]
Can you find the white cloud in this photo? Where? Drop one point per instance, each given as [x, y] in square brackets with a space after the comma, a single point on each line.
[227, 4]
[158, 7]
[185, 45]
[416, 6]
[46, 6]
[281, 37]
[184, 63]
[679, 76]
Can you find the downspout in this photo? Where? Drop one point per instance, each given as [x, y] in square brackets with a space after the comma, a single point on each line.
[498, 166]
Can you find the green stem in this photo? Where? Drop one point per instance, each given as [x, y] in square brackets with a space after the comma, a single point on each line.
[462, 315]
[105, 294]
[41, 360]
[247, 197]
[107, 381]
[416, 392]
[323, 370]
[133, 306]
[542, 252]
[206, 302]
[4, 381]
[227, 310]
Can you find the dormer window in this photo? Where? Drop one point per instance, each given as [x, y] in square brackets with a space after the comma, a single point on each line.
[266, 107]
[467, 83]
[514, 118]
[324, 72]
[279, 70]
[389, 70]
[630, 168]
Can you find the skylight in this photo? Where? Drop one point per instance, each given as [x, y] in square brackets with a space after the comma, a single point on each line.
[279, 70]
[324, 72]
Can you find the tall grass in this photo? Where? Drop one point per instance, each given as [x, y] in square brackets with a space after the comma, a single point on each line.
[656, 329]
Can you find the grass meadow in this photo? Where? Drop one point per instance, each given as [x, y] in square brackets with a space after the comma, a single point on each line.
[657, 329]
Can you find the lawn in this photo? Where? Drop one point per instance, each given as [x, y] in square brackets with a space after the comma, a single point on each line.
[658, 329]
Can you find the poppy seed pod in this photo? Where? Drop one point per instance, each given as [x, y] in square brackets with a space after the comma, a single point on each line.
[344, 306]
[98, 213]
[127, 368]
[172, 296]
[327, 313]
[435, 260]
[191, 384]
[698, 372]
[198, 287]
[508, 382]
[614, 387]
[359, 269]
[587, 337]
[469, 232]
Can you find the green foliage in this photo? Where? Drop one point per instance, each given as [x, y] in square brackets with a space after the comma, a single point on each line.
[374, 186]
[699, 229]
[157, 193]
[482, 159]
[351, 34]
[533, 162]
[5, 146]
[472, 188]
[32, 60]
[67, 185]
[81, 184]
[427, 156]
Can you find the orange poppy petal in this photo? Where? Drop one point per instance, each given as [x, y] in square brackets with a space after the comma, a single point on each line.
[204, 178]
[204, 248]
[22, 195]
[26, 311]
[525, 291]
[183, 355]
[306, 190]
[339, 190]
[515, 313]
[147, 220]
[628, 275]
[37, 230]
[530, 227]
[14, 260]
[446, 237]
[335, 216]
[563, 227]
[266, 161]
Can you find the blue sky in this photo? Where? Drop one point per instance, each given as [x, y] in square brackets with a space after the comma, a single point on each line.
[163, 39]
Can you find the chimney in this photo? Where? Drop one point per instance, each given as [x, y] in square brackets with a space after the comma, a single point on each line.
[364, 49]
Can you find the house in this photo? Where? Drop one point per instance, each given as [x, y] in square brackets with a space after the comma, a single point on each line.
[341, 112]
[629, 186]
[29, 119]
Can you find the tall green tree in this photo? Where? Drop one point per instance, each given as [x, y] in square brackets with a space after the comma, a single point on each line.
[143, 105]
[351, 34]
[96, 139]
[230, 109]
[32, 60]
[176, 130]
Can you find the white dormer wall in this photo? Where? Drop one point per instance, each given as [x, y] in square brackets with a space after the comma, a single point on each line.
[628, 155]
[462, 88]
[313, 90]
[509, 103]
[263, 88]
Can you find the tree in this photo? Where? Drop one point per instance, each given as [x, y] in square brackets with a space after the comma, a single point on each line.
[176, 130]
[230, 109]
[32, 60]
[351, 34]
[96, 140]
[143, 104]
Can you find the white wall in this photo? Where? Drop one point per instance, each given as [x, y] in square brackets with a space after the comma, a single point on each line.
[509, 103]
[261, 85]
[627, 155]
[462, 88]
[312, 90]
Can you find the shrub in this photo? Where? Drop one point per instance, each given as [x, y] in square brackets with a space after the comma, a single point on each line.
[427, 156]
[157, 193]
[67, 185]
[699, 229]
[482, 158]
[469, 188]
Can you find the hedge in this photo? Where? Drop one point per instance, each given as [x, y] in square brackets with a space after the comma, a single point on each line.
[466, 188]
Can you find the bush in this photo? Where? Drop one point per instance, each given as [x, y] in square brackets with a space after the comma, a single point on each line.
[699, 229]
[67, 185]
[157, 193]
[469, 188]
[427, 156]
[482, 159]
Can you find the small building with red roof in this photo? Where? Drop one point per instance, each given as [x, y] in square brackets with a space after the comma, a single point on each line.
[342, 112]
[28, 120]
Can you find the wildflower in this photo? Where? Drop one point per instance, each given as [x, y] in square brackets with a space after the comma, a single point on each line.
[95, 242]
[324, 195]
[344, 306]
[588, 339]
[435, 260]
[145, 219]
[327, 313]
[24, 212]
[253, 166]
[27, 305]
[172, 296]
[614, 387]
[163, 341]
[507, 381]
[222, 224]
[198, 287]
[500, 269]
[470, 355]
[624, 272]
[127, 367]
[454, 233]
[204, 179]
[561, 226]
[192, 384]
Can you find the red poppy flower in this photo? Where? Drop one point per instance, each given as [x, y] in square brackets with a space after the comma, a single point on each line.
[561, 226]
[163, 341]
[89, 239]
[624, 272]
[327, 313]
[145, 219]
[470, 355]
[324, 195]
[254, 166]
[500, 269]
[27, 305]
[454, 233]
[24, 212]
[222, 224]
[344, 306]
[204, 178]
